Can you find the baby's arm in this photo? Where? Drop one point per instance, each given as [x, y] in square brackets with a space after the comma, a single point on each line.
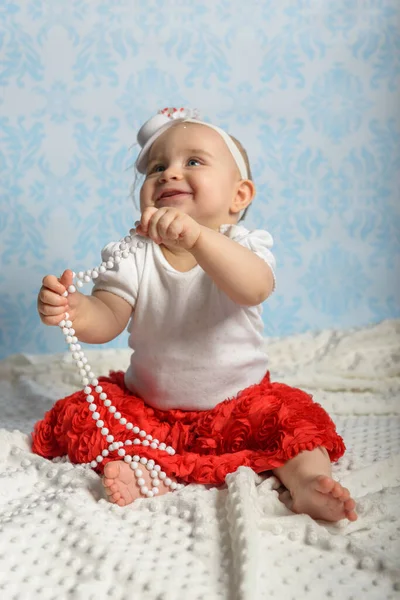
[97, 319]
[245, 277]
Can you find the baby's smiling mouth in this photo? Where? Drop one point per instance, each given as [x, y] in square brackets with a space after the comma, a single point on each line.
[171, 193]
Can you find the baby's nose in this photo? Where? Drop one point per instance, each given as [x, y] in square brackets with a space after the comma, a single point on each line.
[171, 173]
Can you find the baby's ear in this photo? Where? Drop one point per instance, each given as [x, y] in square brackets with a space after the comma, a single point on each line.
[244, 195]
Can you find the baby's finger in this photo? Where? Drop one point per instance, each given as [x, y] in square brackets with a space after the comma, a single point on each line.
[160, 228]
[52, 283]
[46, 310]
[46, 296]
[66, 278]
[175, 229]
[146, 217]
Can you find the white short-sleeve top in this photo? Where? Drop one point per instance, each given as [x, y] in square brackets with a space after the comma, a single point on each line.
[193, 347]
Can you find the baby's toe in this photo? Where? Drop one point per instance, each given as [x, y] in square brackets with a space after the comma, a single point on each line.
[111, 470]
[121, 502]
[337, 490]
[349, 504]
[116, 496]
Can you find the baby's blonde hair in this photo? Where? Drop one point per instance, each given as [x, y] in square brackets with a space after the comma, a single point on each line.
[247, 163]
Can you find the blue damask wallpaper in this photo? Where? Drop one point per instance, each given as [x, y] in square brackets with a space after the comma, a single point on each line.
[310, 87]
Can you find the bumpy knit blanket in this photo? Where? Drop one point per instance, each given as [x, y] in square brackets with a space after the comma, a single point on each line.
[60, 538]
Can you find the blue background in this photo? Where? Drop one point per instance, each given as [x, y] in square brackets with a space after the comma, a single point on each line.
[311, 88]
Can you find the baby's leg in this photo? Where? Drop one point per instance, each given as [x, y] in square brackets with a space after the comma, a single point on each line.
[311, 489]
[121, 484]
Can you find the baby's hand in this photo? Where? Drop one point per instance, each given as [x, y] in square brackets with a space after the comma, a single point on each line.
[52, 305]
[169, 226]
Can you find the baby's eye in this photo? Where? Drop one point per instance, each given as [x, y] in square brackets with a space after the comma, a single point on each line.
[193, 160]
[157, 169]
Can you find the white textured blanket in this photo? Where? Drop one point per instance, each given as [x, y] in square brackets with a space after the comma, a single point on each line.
[60, 539]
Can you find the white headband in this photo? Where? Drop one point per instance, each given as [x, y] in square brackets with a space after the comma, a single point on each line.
[162, 121]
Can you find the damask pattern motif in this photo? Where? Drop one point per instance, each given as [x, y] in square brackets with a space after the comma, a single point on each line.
[312, 90]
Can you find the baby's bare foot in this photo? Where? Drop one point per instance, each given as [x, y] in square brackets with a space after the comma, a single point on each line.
[321, 497]
[120, 483]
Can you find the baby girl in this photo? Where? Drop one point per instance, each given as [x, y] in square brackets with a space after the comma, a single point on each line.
[191, 293]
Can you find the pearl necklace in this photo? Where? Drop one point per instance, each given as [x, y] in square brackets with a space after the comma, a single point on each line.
[91, 387]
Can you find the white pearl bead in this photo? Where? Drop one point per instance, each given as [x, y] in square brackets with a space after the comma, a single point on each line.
[138, 472]
[110, 438]
[65, 294]
[105, 452]
[72, 289]
[155, 490]
[121, 452]
[136, 457]
[134, 464]
[95, 381]
[117, 260]
[87, 390]
[95, 415]
[89, 397]
[136, 429]
[98, 389]
[144, 489]
[149, 494]
[141, 482]
[99, 458]
[156, 482]
[167, 481]
[128, 443]
[92, 407]
[173, 485]
[129, 426]
[103, 396]
[62, 323]
[100, 423]
[102, 269]
[157, 468]
[145, 443]
[156, 441]
[65, 330]
[117, 415]
[153, 445]
[162, 475]
[162, 446]
[127, 458]
[127, 239]
[112, 409]
[104, 431]
[93, 464]
[149, 437]
[110, 264]
[76, 355]
[143, 460]
[136, 441]
[79, 364]
[85, 380]
[122, 246]
[153, 473]
[79, 284]
[94, 274]
[122, 421]
[87, 278]
[142, 433]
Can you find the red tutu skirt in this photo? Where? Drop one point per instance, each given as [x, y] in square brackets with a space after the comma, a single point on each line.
[263, 427]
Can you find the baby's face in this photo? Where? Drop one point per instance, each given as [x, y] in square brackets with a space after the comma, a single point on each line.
[191, 168]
